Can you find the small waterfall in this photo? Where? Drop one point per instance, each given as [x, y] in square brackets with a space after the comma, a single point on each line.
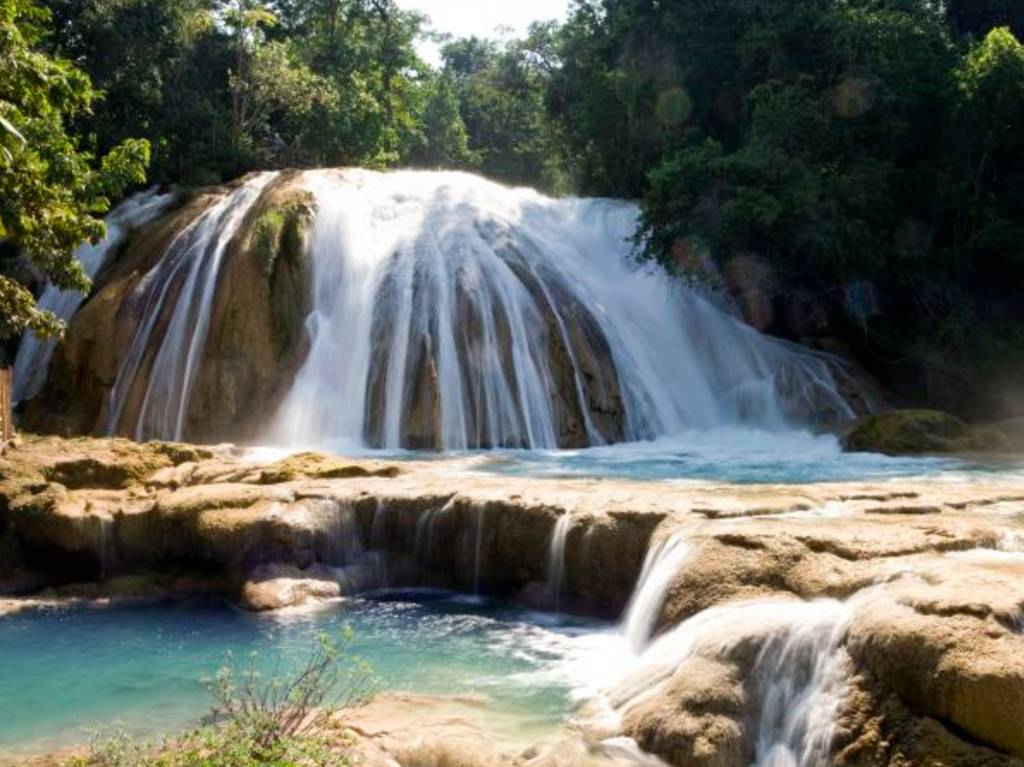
[662, 564]
[478, 529]
[33, 359]
[177, 297]
[342, 539]
[802, 681]
[796, 685]
[106, 552]
[556, 559]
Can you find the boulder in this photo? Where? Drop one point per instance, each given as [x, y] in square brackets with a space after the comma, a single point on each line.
[951, 648]
[902, 432]
[699, 717]
[275, 587]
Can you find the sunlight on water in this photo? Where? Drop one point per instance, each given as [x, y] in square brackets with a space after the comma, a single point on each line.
[727, 454]
[63, 672]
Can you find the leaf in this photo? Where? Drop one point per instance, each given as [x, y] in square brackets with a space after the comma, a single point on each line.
[12, 130]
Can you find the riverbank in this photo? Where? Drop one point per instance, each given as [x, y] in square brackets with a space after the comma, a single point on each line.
[911, 589]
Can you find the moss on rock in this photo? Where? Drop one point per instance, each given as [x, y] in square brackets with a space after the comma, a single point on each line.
[919, 432]
[907, 432]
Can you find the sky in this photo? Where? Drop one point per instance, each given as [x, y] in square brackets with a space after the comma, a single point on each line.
[462, 18]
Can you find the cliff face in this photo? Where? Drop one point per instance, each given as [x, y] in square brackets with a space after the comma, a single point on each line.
[913, 594]
[255, 339]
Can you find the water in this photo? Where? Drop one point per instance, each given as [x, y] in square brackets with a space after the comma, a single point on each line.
[450, 312]
[662, 564]
[179, 290]
[33, 360]
[63, 672]
[728, 454]
[556, 559]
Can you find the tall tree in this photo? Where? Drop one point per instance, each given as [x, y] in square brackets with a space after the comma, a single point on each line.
[52, 192]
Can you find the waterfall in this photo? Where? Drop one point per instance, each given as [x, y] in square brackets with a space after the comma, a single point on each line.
[662, 564]
[556, 559]
[450, 312]
[33, 359]
[802, 680]
[177, 296]
[796, 685]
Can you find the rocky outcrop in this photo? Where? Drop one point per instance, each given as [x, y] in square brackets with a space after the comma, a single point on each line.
[915, 590]
[85, 364]
[911, 432]
[256, 323]
[257, 337]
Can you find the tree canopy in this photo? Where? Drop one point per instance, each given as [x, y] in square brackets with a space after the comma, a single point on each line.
[52, 191]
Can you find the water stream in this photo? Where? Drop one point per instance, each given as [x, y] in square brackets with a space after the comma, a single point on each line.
[176, 297]
[33, 359]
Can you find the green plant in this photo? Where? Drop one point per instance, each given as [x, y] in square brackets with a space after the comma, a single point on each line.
[272, 710]
[282, 720]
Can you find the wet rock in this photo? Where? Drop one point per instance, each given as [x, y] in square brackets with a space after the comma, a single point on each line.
[699, 717]
[275, 587]
[900, 432]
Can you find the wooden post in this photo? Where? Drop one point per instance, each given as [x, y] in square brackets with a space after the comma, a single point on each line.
[6, 410]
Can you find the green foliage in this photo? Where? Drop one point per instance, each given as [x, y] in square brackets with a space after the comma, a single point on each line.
[501, 91]
[281, 721]
[446, 142]
[51, 190]
[843, 143]
[222, 87]
[279, 234]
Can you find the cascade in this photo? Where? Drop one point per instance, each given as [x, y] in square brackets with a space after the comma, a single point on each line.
[797, 684]
[556, 559]
[177, 297]
[33, 359]
[451, 312]
[661, 565]
[447, 312]
[802, 673]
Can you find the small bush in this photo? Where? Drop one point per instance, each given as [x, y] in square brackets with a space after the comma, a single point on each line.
[283, 721]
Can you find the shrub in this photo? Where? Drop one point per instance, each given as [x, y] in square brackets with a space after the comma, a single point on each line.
[285, 721]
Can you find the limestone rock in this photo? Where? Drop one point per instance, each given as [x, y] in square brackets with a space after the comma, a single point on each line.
[952, 651]
[275, 587]
[698, 718]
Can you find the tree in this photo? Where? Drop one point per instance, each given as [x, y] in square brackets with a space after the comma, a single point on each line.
[990, 83]
[52, 193]
[501, 90]
[446, 143]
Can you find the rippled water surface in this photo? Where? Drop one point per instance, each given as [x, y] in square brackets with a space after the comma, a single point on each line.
[738, 455]
[64, 672]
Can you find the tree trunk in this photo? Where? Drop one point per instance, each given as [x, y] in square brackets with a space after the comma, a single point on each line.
[6, 407]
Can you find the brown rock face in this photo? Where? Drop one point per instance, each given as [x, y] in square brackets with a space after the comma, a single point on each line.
[952, 652]
[85, 364]
[256, 338]
[700, 718]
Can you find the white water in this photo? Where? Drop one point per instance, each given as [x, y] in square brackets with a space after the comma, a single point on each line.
[664, 561]
[795, 687]
[435, 288]
[556, 559]
[181, 285]
[33, 360]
